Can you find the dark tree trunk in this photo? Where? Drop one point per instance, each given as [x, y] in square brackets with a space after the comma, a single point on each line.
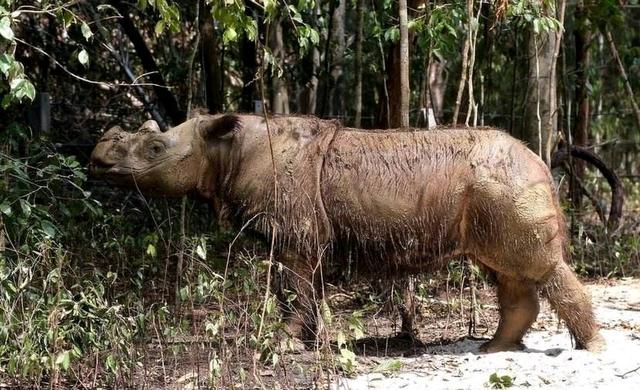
[249, 67]
[337, 49]
[211, 61]
[279, 91]
[309, 96]
[358, 63]
[581, 131]
[166, 99]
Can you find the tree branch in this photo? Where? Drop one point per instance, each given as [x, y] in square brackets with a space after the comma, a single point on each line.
[623, 73]
[166, 99]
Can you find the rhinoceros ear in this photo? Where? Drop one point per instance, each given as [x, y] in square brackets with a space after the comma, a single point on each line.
[212, 127]
[150, 126]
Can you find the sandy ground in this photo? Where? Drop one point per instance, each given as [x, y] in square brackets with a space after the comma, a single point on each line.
[549, 362]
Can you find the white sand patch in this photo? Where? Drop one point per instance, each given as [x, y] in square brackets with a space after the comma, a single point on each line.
[549, 362]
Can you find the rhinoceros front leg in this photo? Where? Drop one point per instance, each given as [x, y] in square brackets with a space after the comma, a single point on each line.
[299, 293]
[519, 307]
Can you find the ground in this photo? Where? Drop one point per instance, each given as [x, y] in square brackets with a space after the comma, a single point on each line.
[549, 361]
[447, 359]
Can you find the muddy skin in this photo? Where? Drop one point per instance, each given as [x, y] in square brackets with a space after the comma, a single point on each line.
[401, 202]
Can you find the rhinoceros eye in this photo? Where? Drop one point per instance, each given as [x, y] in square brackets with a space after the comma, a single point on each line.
[155, 149]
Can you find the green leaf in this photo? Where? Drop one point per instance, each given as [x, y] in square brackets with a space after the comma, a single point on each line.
[67, 18]
[314, 36]
[26, 208]
[5, 208]
[5, 28]
[83, 57]
[201, 252]
[6, 62]
[229, 35]
[325, 312]
[86, 31]
[63, 360]
[23, 88]
[112, 364]
[48, 228]
[159, 27]
[151, 250]
[184, 293]
[392, 34]
[389, 366]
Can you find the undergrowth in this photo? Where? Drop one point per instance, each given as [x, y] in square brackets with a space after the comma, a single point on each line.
[90, 295]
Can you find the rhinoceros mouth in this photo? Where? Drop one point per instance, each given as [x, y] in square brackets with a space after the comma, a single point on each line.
[100, 169]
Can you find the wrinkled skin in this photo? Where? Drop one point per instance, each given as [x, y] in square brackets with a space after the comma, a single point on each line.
[393, 202]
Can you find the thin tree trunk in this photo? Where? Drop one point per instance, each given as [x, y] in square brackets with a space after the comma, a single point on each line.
[403, 115]
[540, 122]
[279, 91]
[581, 131]
[623, 73]
[437, 87]
[463, 81]
[358, 63]
[336, 92]
[473, 38]
[309, 98]
[211, 64]
[249, 67]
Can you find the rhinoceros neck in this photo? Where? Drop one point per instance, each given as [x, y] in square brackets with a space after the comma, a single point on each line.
[299, 145]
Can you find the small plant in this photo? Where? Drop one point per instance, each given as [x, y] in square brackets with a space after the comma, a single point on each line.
[500, 382]
[347, 358]
[389, 366]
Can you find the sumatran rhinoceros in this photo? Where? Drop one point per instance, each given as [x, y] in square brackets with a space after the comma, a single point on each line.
[392, 202]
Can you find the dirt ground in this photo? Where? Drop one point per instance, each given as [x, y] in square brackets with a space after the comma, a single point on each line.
[548, 362]
[441, 358]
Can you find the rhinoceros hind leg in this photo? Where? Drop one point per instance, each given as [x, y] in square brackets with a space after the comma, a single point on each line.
[519, 307]
[569, 298]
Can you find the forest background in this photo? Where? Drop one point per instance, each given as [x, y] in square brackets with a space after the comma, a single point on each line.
[101, 287]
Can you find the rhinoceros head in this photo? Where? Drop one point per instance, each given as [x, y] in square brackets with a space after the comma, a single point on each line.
[173, 163]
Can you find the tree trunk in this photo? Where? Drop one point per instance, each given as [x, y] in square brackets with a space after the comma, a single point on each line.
[582, 37]
[437, 87]
[210, 59]
[165, 97]
[309, 98]
[402, 117]
[540, 118]
[337, 49]
[279, 92]
[358, 63]
[249, 68]
[463, 81]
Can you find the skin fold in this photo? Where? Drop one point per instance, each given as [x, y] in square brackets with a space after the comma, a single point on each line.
[391, 202]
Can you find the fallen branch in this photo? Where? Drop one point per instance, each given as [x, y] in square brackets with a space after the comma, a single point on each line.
[628, 372]
[617, 191]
